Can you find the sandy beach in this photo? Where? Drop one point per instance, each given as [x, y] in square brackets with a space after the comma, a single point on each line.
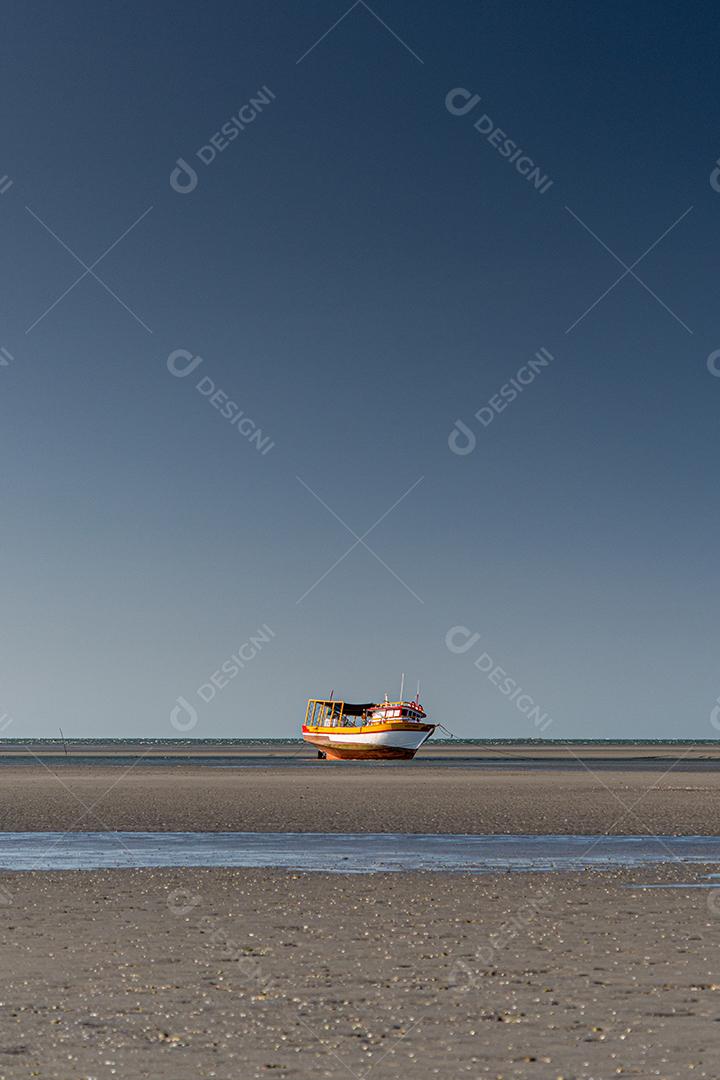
[227, 973]
[222, 973]
[316, 796]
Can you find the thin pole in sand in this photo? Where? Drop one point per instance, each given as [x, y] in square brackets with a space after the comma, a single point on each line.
[63, 741]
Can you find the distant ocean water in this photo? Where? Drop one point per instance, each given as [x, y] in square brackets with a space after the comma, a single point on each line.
[199, 743]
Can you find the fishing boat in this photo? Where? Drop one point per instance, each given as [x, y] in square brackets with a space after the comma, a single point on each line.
[390, 729]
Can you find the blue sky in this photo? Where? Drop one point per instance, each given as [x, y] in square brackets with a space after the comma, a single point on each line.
[357, 270]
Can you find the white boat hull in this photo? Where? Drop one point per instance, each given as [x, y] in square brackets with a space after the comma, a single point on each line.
[398, 743]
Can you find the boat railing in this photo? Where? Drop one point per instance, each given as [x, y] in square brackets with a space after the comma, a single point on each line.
[322, 712]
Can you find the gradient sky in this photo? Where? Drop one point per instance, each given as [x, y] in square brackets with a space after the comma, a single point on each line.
[358, 270]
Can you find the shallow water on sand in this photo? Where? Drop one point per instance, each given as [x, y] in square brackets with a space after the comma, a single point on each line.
[358, 853]
[301, 759]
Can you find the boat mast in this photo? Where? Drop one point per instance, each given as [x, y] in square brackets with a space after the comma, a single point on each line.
[402, 685]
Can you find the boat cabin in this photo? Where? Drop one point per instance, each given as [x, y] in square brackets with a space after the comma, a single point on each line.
[397, 710]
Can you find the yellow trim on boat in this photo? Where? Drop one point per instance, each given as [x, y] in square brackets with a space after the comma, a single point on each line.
[376, 726]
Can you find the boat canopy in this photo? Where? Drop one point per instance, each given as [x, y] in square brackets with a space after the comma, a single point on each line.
[358, 710]
[333, 711]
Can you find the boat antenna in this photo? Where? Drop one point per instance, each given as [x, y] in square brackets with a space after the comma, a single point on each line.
[417, 694]
[402, 685]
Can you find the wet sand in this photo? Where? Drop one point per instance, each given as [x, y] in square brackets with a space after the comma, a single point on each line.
[355, 797]
[436, 750]
[237, 973]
